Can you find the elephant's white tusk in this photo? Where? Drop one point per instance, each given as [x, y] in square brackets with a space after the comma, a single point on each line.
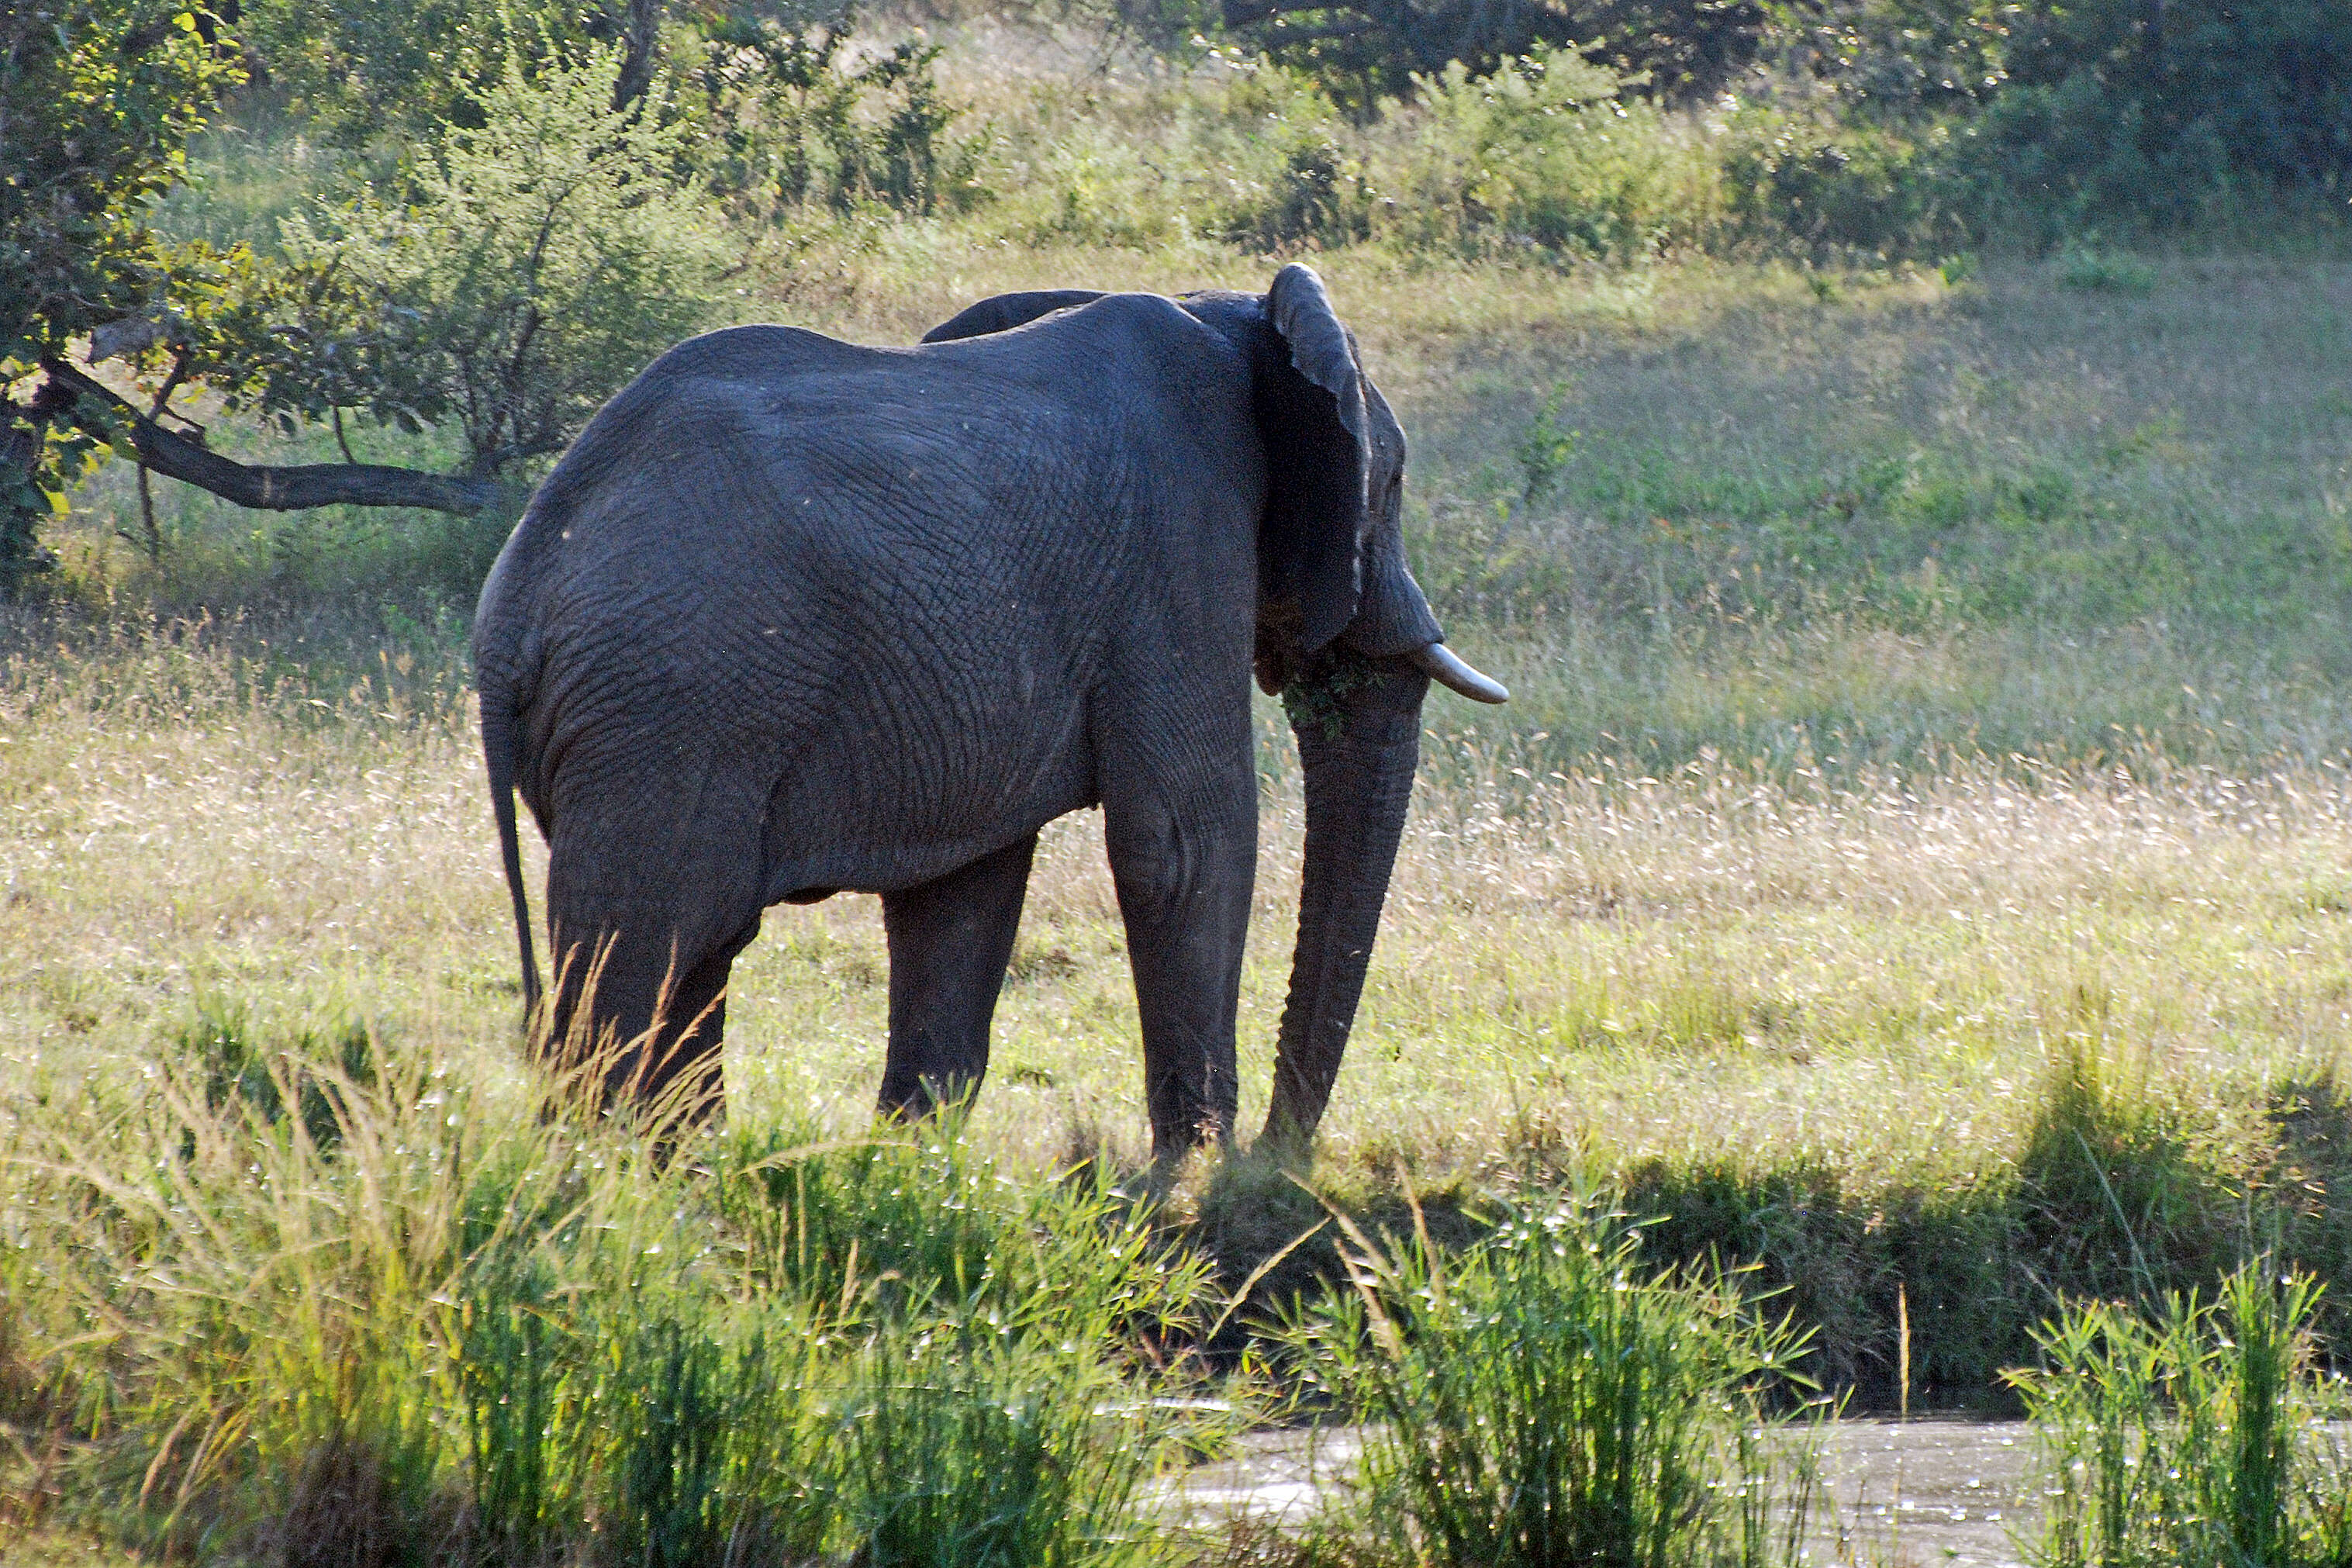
[1442, 665]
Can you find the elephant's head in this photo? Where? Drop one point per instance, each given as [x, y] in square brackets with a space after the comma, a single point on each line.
[1347, 640]
[1345, 637]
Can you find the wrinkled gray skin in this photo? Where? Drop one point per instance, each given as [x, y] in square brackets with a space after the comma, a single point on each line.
[794, 616]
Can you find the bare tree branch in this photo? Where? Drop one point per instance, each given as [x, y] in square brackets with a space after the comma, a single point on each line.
[279, 489]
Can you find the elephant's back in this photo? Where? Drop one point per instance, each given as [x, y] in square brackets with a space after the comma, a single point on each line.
[868, 564]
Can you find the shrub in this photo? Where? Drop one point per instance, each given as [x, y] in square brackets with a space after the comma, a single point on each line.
[358, 70]
[2158, 117]
[1360, 50]
[98, 101]
[2082, 267]
[1295, 171]
[2190, 1438]
[792, 125]
[1542, 1400]
[534, 265]
[1547, 153]
[1833, 190]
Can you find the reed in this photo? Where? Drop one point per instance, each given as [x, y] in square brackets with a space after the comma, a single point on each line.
[1547, 1398]
[2190, 1436]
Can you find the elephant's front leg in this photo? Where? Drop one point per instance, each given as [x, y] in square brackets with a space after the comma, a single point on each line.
[1183, 861]
[950, 942]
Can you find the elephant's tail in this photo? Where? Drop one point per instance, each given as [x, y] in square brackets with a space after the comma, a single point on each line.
[499, 746]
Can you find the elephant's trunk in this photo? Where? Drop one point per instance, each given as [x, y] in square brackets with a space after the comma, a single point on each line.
[1359, 730]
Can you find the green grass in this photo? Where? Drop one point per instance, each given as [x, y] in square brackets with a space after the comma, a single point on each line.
[2193, 1435]
[457, 1330]
[1739, 872]
[1549, 1398]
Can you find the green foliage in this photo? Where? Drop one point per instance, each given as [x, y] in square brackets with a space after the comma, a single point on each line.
[529, 269]
[1888, 63]
[2082, 267]
[97, 101]
[1314, 188]
[466, 302]
[1831, 189]
[1544, 1399]
[922, 1225]
[361, 71]
[1547, 153]
[1289, 170]
[792, 125]
[1362, 50]
[2191, 1438]
[450, 1328]
[2156, 117]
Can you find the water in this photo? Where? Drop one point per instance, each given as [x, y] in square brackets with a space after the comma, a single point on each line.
[1925, 1491]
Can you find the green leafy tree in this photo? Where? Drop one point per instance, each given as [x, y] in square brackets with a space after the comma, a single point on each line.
[1363, 50]
[2162, 111]
[515, 276]
[358, 70]
[1889, 61]
[532, 266]
[790, 124]
[97, 101]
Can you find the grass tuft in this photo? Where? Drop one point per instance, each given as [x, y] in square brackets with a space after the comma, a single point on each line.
[1549, 1398]
[2191, 1436]
[457, 1330]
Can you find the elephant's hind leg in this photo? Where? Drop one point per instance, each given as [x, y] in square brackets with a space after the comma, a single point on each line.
[950, 942]
[646, 917]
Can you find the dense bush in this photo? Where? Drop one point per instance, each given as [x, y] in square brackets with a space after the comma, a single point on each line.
[1550, 154]
[2163, 115]
[358, 71]
[97, 101]
[1832, 190]
[1550, 157]
[532, 266]
[1912, 126]
[1686, 51]
[790, 122]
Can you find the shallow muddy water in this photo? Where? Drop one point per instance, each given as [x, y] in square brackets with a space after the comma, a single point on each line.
[1908, 1494]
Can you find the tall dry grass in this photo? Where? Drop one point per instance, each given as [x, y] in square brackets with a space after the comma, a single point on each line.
[1830, 1009]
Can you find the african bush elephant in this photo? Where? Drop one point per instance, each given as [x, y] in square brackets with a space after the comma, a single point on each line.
[793, 616]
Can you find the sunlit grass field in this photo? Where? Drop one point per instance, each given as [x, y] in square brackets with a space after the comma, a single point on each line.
[1918, 857]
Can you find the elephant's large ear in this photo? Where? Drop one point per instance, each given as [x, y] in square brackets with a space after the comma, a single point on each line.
[1310, 413]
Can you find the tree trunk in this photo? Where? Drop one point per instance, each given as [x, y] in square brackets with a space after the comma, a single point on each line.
[641, 35]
